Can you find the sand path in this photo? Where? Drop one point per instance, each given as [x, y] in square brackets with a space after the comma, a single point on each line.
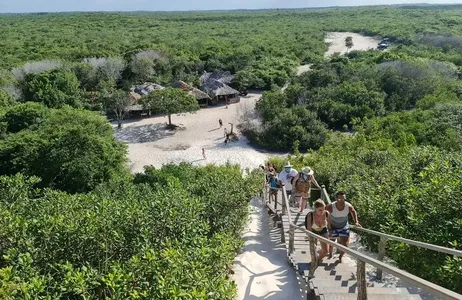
[261, 271]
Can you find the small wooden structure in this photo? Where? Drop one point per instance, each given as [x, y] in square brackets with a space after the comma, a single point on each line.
[215, 84]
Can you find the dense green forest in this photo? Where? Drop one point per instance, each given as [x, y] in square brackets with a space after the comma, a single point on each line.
[167, 234]
[384, 126]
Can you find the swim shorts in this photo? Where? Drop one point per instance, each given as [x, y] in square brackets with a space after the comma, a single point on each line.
[340, 232]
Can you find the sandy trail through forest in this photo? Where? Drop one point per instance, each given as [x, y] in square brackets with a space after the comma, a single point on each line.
[261, 270]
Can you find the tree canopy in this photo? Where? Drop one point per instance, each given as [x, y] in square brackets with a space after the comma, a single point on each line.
[171, 101]
[68, 149]
[53, 88]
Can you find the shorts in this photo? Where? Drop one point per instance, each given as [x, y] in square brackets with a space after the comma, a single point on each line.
[324, 232]
[302, 195]
[340, 232]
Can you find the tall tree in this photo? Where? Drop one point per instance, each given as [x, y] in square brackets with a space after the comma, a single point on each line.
[53, 88]
[118, 102]
[142, 64]
[349, 42]
[171, 101]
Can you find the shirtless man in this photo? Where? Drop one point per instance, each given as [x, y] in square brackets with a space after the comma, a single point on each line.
[339, 211]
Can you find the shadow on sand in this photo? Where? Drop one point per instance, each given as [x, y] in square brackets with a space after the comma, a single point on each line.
[264, 242]
[143, 134]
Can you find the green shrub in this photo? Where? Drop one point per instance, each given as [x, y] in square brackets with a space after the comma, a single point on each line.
[173, 238]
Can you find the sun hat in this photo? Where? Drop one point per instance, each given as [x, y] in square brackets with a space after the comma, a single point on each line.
[287, 165]
[307, 171]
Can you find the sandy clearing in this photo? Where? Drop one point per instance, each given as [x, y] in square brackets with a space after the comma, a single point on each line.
[261, 270]
[149, 143]
[336, 41]
[303, 68]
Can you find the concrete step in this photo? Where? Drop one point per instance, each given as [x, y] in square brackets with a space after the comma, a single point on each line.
[318, 282]
[322, 290]
[369, 297]
[300, 258]
[337, 276]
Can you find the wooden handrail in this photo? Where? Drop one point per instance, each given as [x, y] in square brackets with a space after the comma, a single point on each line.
[428, 286]
[325, 195]
[410, 242]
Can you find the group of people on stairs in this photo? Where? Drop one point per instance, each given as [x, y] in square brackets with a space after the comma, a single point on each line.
[298, 185]
[329, 221]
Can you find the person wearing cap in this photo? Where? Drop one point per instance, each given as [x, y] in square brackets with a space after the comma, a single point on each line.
[286, 177]
[303, 186]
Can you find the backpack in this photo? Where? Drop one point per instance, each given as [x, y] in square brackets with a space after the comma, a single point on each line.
[312, 218]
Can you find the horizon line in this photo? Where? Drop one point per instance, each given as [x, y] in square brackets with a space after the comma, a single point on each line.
[416, 4]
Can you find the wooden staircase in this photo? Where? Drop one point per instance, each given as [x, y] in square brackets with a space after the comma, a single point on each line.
[332, 280]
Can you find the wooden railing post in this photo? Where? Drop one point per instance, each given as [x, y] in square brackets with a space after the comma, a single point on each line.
[284, 207]
[361, 279]
[291, 239]
[276, 204]
[314, 261]
[381, 255]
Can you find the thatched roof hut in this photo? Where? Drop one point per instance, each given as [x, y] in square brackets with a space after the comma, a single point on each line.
[191, 90]
[216, 88]
[135, 96]
[215, 84]
[223, 77]
[146, 88]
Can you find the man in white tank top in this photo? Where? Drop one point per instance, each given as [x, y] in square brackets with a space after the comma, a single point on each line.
[339, 211]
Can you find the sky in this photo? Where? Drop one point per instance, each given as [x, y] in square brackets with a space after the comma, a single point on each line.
[17, 6]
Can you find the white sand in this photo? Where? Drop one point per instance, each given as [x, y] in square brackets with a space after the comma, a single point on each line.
[149, 143]
[262, 270]
[303, 68]
[336, 42]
